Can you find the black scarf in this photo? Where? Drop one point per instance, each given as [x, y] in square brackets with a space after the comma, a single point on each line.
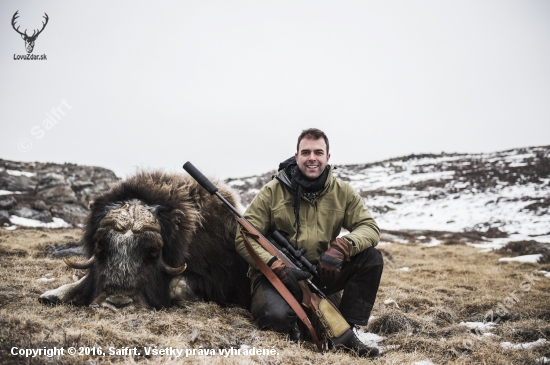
[301, 185]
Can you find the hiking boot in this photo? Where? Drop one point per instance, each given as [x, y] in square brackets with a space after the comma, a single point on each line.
[349, 342]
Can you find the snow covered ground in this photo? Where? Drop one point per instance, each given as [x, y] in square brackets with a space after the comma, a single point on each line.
[508, 191]
[444, 193]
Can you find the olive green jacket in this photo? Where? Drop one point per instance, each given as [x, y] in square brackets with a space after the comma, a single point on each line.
[320, 221]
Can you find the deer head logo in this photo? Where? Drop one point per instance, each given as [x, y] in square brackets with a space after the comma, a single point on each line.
[29, 40]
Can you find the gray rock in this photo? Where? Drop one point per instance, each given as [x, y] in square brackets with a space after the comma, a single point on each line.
[79, 185]
[44, 216]
[16, 183]
[51, 180]
[54, 187]
[8, 203]
[68, 251]
[25, 213]
[39, 205]
[70, 213]
[4, 218]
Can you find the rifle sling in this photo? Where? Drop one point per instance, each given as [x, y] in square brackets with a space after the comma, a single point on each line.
[281, 288]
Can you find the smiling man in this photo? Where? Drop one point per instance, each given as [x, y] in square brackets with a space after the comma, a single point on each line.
[310, 204]
[312, 157]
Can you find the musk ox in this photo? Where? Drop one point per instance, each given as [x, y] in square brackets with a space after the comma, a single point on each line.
[157, 238]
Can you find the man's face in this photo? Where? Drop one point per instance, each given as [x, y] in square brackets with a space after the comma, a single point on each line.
[312, 157]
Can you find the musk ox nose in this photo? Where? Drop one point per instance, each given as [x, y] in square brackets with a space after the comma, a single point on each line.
[119, 300]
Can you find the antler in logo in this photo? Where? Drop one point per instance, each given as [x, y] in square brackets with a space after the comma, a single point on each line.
[29, 40]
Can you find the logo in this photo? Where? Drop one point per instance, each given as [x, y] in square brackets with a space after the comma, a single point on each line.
[29, 40]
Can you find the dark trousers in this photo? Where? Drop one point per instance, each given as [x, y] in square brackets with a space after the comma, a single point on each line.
[359, 278]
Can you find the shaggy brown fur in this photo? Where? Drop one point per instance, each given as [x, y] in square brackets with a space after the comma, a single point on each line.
[151, 217]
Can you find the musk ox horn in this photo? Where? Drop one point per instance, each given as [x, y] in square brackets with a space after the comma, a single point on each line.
[82, 265]
[171, 270]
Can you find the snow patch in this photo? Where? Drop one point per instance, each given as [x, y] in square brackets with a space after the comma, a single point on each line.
[368, 338]
[20, 173]
[7, 192]
[525, 258]
[26, 222]
[434, 242]
[372, 340]
[523, 346]
[479, 326]
[236, 183]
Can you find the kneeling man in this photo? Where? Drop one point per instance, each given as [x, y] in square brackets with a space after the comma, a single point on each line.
[312, 206]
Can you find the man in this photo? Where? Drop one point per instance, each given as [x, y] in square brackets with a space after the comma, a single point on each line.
[311, 205]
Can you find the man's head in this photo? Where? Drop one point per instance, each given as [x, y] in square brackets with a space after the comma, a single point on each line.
[312, 152]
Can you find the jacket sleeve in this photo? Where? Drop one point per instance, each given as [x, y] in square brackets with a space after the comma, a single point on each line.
[364, 231]
[259, 215]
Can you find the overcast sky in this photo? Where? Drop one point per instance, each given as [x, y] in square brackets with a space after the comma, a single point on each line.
[229, 85]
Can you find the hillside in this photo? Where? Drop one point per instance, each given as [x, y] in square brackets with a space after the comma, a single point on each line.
[494, 195]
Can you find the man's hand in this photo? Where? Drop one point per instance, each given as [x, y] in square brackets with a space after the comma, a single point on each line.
[332, 259]
[290, 277]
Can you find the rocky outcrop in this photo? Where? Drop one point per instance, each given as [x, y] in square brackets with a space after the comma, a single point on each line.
[53, 187]
[43, 191]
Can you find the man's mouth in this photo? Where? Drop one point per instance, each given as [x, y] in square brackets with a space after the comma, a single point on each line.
[311, 166]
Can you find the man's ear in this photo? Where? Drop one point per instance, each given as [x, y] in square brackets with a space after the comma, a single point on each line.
[296, 157]
[328, 157]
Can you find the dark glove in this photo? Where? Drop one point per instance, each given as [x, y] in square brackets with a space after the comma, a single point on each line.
[331, 260]
[289, 276]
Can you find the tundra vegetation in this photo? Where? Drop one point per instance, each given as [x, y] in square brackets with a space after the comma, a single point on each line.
[418, 311]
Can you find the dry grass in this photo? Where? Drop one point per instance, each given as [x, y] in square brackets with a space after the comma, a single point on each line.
[445, 285]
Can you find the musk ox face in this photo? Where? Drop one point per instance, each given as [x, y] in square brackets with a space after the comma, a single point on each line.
[127, 254]
[141, 235]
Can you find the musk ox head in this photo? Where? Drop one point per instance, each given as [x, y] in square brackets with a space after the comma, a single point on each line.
[142, 235]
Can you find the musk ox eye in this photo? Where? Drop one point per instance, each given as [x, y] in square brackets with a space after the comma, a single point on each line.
[154, 252]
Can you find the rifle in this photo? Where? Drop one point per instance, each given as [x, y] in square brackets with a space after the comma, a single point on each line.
[297, 256]
[336, 327]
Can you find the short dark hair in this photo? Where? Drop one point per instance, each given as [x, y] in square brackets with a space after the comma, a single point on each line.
[312, 133]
